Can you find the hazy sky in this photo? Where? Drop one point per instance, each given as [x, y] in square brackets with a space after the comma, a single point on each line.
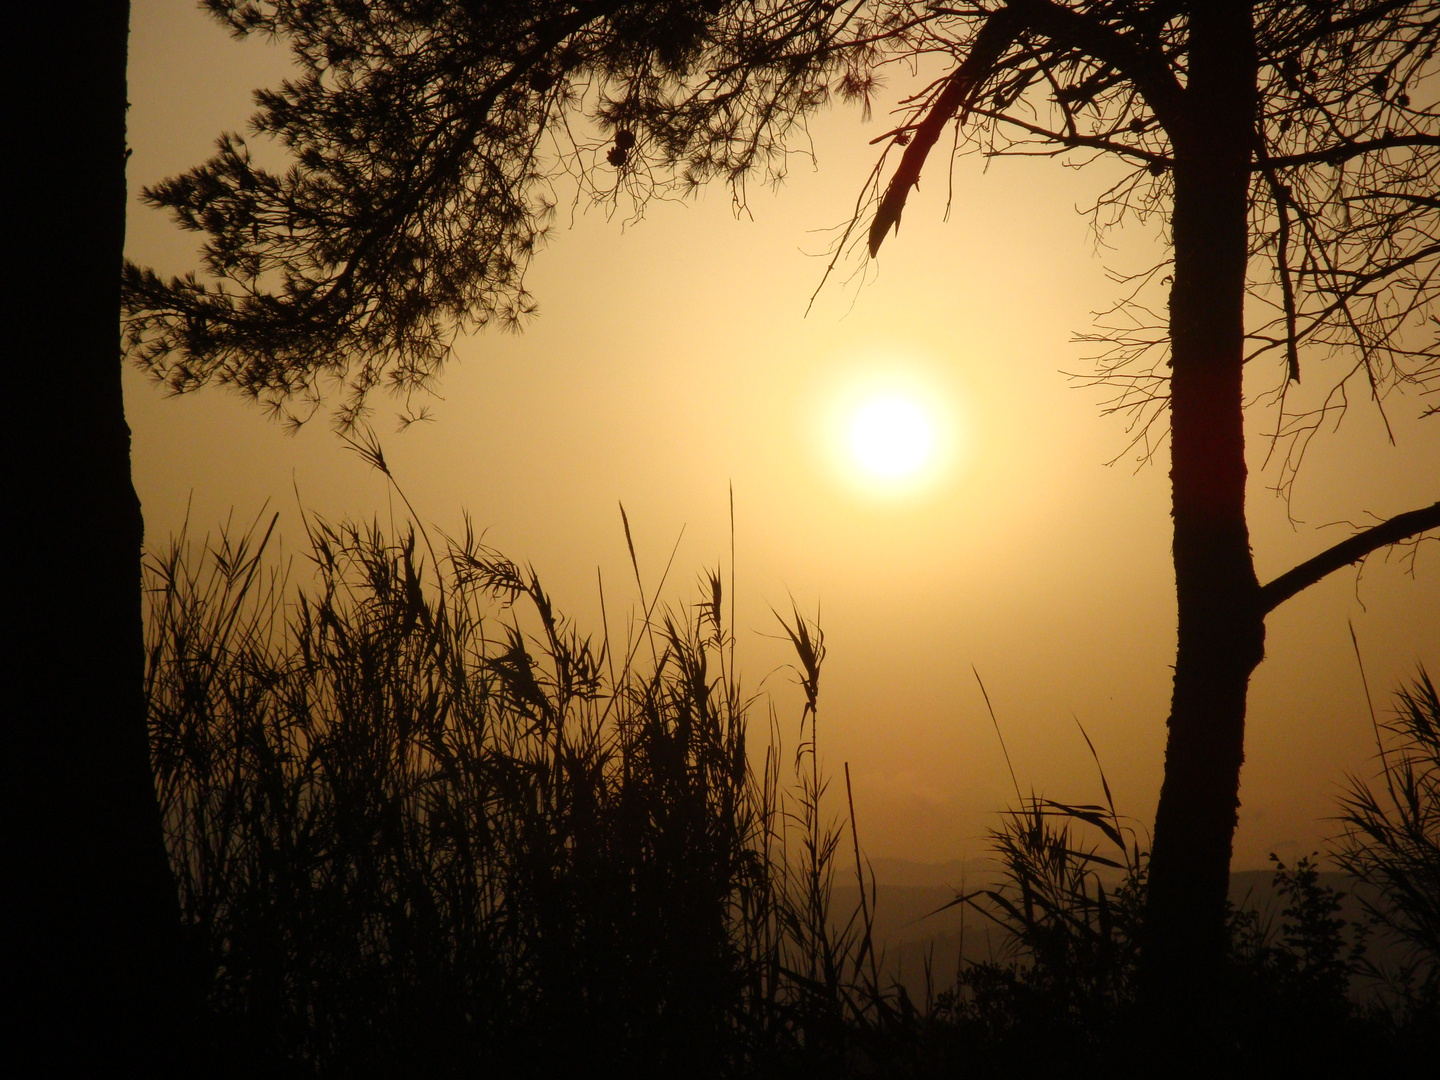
[672, 357]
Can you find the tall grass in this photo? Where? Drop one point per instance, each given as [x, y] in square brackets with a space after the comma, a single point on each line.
[1068, 900]
[422, 823]
[1390, 837]
[1066, 997]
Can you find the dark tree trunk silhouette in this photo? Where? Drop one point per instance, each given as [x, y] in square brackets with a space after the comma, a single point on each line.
[1221, 622]
[95, 925]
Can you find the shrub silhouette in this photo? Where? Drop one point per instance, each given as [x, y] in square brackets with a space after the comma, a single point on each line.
[1390, 840]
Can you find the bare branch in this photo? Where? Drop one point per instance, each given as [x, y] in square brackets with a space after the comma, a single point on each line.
[1342, 152]
[1396, 529]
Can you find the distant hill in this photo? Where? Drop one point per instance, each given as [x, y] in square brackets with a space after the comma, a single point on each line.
[917, 923]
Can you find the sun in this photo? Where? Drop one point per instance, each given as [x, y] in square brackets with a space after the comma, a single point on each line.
[891, 428]
[891, 437]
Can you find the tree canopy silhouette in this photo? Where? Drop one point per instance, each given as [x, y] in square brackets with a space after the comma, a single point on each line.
[1291, 148]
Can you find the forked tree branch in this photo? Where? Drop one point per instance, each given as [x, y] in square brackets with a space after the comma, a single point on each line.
[1144, 66]
[1398, 528]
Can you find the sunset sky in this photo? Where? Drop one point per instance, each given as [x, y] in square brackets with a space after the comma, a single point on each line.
[672, 357]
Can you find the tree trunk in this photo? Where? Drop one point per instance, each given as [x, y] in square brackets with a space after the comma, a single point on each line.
[1221, 623]
[96, 927]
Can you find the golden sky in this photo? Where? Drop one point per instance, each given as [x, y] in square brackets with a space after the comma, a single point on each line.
[672, 357]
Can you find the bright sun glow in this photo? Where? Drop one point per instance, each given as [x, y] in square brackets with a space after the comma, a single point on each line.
[891, 426]
[891, 437]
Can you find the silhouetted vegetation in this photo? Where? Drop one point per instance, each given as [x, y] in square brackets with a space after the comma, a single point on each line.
[423, 825]
[1280, 143]
[1298, 990]
[1391, 842]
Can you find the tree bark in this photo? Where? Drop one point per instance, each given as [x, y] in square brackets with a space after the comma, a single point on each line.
[1221, 621]
[96, 928]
